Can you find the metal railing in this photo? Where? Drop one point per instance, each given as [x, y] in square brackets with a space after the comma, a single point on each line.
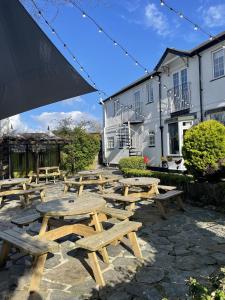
[179, 97]
[132, 112]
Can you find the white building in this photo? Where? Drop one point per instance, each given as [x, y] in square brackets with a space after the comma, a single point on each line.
[149, 116]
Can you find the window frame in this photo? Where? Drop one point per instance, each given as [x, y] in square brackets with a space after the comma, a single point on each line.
[169, 139]
[150, 95]
[151, 134]
[213, 65]
[113, 142]
[116, 106]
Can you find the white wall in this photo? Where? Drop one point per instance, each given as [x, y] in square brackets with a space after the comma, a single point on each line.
[213, 96]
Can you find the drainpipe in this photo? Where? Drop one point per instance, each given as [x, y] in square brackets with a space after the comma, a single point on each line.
[160, 115]
[200, 87]
[104, 135]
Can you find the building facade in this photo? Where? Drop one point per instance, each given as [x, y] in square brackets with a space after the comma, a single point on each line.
[149, 117]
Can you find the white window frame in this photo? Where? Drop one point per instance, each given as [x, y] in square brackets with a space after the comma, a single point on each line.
[151, 138]
[110, 142]
[116, 106]
[213, 66]
[150, 92]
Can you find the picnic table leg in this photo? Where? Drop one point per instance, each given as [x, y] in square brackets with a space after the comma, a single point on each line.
[97, 224]
[4, 253]
[180, 203]
[81, 178]
[37, 271]
[96, 268]
[44, 225]
[24, 186]
[42, 195]
[131, 206]
[81, 187]
[105, 255]
[66, 188]
[126, 190]
[161, 209]
[134, 244]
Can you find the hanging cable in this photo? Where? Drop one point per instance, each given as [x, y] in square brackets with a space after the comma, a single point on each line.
[40, 13]
[195, 26]
[102, 30]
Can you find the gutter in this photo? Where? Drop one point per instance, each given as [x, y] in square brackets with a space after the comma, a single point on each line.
[200, 87]
[160, 115]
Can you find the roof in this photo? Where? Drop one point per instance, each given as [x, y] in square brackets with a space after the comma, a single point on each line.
[182, 53]
[33, 72]
[133, 84]
[35, 137]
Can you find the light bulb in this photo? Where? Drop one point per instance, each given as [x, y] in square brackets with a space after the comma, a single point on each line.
[210, 38]
[181, 15]
[99, 30]
[136, 63]
[161, 3]
[53, 30]
[115, 43]
[146, 71]
[84, 15]
[126, 54]
[196, 27]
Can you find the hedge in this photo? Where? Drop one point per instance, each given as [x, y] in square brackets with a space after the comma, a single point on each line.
[178, 180]
[134, 162]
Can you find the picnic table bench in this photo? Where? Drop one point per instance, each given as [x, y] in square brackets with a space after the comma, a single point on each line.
[23, 194]
[101, 240]
[26, 220]
[161, 199]
[45, 173]
[34, 246]
[100, 183]
[128, 201]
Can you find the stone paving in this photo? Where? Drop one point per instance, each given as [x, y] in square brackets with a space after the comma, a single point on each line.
[190, 244]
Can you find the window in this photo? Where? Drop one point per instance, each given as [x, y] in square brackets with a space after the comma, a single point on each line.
[173, 138]
[150, 95]
[176, 83]
[116, 104]
[151, 138]
[184, 84]
[110, 142]
[218, 63]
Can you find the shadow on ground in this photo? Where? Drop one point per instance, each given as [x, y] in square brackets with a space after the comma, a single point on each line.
[189, 244]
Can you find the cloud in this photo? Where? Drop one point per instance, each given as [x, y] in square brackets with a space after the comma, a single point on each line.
[15, 123]
[71, 101]
[214, 16]
[156, 20]
[52, 119]
[131, 5]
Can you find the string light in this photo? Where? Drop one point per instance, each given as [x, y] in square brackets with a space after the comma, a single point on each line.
[100, 92]
[83, 15]
[102, 30]
[196, 27]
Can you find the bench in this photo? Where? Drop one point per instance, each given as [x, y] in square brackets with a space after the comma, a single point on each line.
[23, 194]
[81, 184]
[162, 198]
[34, 246]
[166, 187]
[99, 242]
[128, 201]
[26, 220]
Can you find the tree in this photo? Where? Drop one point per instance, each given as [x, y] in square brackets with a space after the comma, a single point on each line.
[204, 149]
[83, 146]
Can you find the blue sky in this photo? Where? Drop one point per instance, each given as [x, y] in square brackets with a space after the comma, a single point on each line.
[143, 27]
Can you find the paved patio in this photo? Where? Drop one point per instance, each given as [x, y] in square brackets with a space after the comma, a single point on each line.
[187, 244]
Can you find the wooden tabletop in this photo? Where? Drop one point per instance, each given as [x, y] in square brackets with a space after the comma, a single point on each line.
[71, 206]
[90, 172]
[13, 181]
[139, 181]
[48, 168]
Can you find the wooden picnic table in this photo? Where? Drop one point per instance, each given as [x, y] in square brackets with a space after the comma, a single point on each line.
[47, 172]
[84, 205]
[150, 184]
[8, 183]
[90, 174]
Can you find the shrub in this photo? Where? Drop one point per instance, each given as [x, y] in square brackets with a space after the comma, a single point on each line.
[136, 173]
[134, 162]
[204, 148]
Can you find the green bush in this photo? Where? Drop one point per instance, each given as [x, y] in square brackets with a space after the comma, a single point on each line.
[81, 152]
[204, 148]
[136, 173]
[134, 162]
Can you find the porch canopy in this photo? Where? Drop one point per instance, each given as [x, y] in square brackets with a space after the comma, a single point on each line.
[33, 72]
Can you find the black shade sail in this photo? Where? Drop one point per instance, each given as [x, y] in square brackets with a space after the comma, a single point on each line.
[32, 70]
